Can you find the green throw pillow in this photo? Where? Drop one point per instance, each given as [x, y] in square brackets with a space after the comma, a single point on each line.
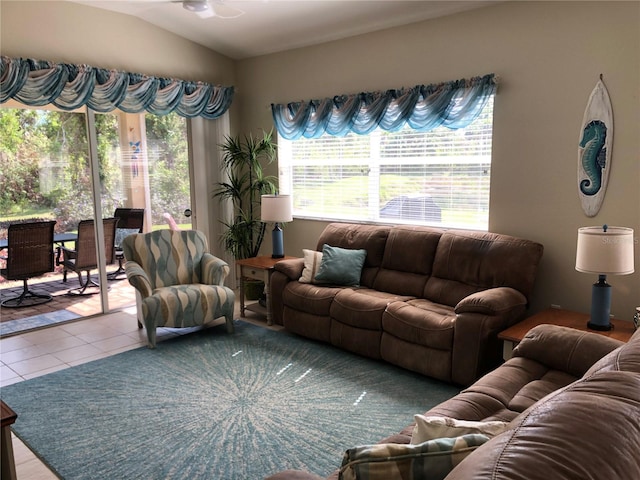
[340, 266]
[432, 460]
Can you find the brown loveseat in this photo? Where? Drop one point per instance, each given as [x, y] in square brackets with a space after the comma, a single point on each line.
[572, 400]
[429, 300]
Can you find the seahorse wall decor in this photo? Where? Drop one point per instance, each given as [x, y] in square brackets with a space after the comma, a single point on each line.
[594, 155]
[594, 152]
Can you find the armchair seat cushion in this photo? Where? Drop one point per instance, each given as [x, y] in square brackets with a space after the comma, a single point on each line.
[188, 305]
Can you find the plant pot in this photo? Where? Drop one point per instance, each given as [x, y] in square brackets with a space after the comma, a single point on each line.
[253, 289]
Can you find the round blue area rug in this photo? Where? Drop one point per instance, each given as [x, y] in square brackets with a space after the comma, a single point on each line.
[216, 406]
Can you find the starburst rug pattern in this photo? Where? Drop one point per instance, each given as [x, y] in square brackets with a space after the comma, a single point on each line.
[218, 406]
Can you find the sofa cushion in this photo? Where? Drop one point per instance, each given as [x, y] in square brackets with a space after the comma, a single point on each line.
[504, 393]
[467, 262]
[340, 266]
[312, 260]
[431, 460]
[421, 322]
[429, 428]
[372, 238]
[408, 258]
[363, 307]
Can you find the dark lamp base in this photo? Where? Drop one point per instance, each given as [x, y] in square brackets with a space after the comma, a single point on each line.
[601, 328]
[277, 256]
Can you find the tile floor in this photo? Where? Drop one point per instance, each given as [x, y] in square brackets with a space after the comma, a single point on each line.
[47, 350]
[63, 307]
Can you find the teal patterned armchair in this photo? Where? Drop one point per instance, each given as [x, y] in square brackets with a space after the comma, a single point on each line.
[178, 283]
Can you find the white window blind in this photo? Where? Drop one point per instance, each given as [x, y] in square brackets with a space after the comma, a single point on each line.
[441, 177]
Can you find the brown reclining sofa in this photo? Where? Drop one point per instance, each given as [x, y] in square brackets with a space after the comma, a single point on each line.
[572, 403]
[429, 300]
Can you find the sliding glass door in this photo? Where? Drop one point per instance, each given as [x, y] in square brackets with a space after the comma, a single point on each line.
[54, 167]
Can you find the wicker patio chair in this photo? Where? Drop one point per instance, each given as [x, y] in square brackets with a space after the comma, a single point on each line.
[29, 254]
[84, 258]
[130, 220]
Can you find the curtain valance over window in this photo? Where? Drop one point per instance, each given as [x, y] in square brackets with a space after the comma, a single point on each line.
[67, 86]
[452, 104]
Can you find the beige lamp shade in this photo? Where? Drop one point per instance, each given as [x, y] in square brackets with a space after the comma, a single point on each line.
[276, 208]
[606, 251]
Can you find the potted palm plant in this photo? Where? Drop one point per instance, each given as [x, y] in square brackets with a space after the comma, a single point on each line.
[243, 161]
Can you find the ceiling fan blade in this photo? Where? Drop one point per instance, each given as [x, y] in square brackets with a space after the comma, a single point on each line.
[208, 13]
[224, 10]
[208, 8]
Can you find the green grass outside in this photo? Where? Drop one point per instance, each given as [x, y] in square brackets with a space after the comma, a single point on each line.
[330, 198]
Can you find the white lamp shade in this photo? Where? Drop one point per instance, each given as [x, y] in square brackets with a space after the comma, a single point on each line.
[607, 252]
[276, 208]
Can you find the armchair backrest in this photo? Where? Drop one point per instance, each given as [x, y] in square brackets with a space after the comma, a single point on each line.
[30, 249]
[169, 257]
[86, 256]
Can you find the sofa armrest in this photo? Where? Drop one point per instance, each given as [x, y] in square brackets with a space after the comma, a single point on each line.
[138, 278]
[479, 318]
[292, 268]
[285, 271]
[565, 349]
[214, 270]
[492, 301]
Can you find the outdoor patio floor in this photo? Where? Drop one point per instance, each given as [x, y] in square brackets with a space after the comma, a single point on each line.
[63, 307]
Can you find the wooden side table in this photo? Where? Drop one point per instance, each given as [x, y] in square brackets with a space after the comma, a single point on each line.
[258, 268]
[622, 330]
[6, 446]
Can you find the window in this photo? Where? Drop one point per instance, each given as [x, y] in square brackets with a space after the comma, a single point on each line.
[440, 177]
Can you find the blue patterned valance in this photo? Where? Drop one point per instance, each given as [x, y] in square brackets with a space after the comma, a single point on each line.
[424, 107]
[67, 86]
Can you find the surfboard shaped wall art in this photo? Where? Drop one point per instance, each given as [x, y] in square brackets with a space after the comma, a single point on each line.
[594, 152]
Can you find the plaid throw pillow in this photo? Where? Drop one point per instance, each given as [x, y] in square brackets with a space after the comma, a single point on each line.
[432, 460]
[428, 428]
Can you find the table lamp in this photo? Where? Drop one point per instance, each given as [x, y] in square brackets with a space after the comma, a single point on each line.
[604, 251]
[276, 208]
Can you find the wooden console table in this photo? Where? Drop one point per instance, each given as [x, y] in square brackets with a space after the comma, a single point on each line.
[6, 446]
[621, 330]
[258, 268]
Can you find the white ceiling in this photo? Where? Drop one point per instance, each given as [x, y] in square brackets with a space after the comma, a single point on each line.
[270, 26]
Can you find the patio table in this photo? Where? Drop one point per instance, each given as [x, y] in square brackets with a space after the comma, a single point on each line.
[59, 238]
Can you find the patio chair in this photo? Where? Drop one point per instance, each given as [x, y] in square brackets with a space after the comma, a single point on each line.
[29, 254]
[178, 283]
[84, 258]
[130, 220]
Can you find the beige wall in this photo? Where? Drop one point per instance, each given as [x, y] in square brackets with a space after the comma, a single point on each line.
[548, 54]
[73, 33]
